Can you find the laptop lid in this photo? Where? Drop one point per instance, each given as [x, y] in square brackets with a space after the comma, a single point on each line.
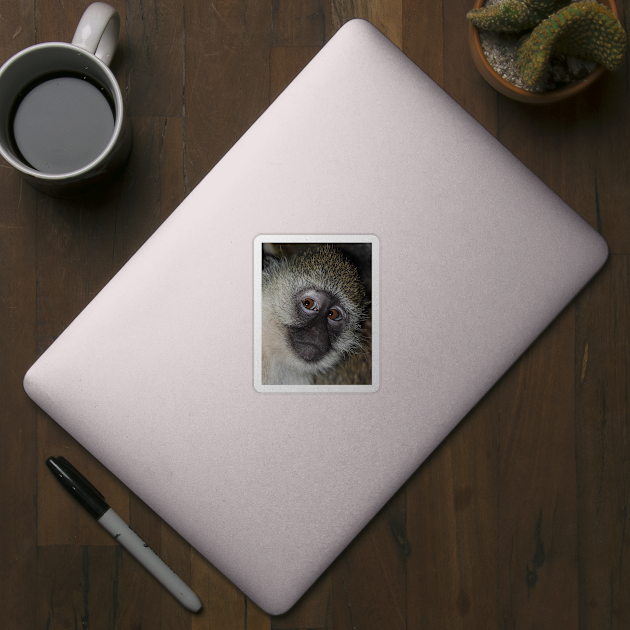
[472, 257]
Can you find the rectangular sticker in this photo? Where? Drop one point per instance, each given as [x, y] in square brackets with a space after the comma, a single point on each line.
[316, 313]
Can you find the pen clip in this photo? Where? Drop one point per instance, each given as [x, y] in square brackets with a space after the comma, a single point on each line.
[74, 471]
[78, 486]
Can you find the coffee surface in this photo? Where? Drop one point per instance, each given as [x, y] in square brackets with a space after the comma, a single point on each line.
[62, 124]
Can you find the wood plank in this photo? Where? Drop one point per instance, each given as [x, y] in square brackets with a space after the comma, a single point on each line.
[603, 443]
[17, 28]
[423, 36]
[256, 618]
[18, 419]
[304, 23]
[226, 78]
[452, 527]
[76, 587]
[537, 537]
[369, 587]
[154, 60]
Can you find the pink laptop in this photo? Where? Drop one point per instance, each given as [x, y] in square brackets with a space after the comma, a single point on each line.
[471, 257]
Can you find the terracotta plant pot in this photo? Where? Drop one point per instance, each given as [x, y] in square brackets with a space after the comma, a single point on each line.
[512, 91]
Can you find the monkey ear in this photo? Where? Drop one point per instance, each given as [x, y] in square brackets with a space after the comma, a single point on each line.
[269, 249]
[270, 255]
[268, 260]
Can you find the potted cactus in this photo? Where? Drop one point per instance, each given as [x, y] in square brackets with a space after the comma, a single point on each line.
[557, 49]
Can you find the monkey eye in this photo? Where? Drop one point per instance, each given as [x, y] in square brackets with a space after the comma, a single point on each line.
[334, 314]
[310, 304]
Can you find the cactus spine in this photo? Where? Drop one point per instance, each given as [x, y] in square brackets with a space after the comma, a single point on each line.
[513, 16]
[583, 29]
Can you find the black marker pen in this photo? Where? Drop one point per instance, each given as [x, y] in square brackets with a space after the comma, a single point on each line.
[94, 502]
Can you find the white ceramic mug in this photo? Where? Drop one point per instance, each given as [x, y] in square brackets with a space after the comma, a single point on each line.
[98, 145]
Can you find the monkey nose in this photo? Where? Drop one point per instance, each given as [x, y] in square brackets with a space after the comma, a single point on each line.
[319, 334]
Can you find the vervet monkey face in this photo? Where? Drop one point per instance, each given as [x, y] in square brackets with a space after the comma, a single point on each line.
[320, 320]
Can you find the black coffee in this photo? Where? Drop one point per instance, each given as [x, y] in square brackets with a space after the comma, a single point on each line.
[62, 123]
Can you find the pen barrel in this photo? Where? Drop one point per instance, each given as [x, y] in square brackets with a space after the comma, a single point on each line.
[149, 559]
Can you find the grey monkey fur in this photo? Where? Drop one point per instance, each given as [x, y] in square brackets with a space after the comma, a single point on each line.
[327, 271]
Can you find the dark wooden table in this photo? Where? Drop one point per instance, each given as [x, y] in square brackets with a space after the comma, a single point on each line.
[518, 520]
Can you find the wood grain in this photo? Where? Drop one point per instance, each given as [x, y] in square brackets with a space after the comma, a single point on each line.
[18, 324]
[305, 23]
[154, 57]
[537, 537]
[602, 381]
[76, 587]
[518, 520]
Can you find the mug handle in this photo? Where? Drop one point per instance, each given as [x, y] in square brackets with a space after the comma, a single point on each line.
[98, 30]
